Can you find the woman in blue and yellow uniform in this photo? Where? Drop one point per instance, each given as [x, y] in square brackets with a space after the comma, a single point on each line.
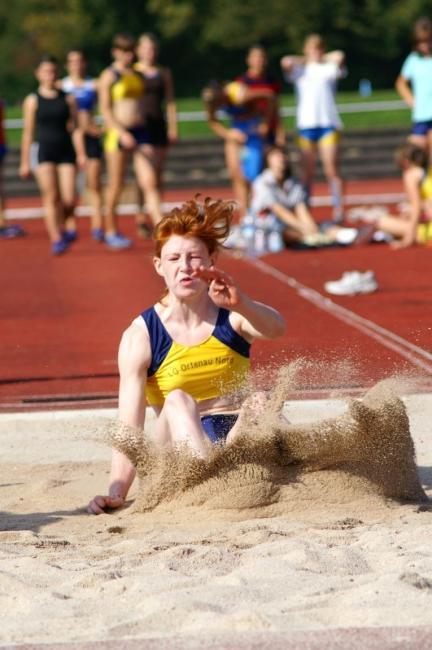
[188, 355]
[121, 89]
[245, 135]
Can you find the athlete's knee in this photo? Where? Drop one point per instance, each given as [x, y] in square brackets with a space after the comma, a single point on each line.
[51, 195]
[179, 399]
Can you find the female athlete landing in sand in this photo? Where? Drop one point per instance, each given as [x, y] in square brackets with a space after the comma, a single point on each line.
[188, 355]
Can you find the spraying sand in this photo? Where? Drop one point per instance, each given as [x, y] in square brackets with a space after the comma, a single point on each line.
[313, 523]
[262, 468]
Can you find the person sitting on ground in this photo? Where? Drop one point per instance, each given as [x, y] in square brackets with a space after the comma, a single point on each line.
[245, 136]
[280, 196]
[414, 223]
[187, 356]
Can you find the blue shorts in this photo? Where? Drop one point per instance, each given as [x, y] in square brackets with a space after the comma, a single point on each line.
[3, 151]
[218, 426]
[421, 128]
[321, 134]
[252, 160]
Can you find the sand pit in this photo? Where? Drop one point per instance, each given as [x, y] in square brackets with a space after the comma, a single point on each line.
[276, 537]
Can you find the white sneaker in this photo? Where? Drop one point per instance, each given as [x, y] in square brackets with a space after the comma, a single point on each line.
[351, 283]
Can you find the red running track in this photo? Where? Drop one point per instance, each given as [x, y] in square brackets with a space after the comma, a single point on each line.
[61, 318]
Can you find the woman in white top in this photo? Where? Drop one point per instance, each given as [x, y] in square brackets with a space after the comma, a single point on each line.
[315, 76]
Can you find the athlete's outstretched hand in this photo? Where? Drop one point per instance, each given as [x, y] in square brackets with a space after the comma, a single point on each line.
[222, 289]
[99, 504]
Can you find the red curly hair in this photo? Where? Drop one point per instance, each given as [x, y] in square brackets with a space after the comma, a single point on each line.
[209, 221]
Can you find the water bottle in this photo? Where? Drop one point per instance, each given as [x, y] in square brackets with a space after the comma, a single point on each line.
[248, 233]
[260, 237]
[275, 242]
[365, 88]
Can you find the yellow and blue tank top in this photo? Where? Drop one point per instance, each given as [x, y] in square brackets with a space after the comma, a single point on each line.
[217, 366]
[127, 85]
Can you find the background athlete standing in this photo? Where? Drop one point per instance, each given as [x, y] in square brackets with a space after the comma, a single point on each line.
[84, 89]
[50, 117]
[315, 75]
[160, 119]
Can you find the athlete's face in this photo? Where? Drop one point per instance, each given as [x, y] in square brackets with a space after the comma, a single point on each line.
[75, 64]
[424, 45]
[277, 162]
[180, 257]
[147, 51]
[313, 51]
[124, 57]
[47, 74]
[257, 60]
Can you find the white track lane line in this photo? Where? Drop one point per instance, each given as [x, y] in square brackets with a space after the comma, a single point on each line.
[413, 353]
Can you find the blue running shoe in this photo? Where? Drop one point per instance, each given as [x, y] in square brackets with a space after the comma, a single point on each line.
[117, 242]
[11, 232]
[70, 236]
[98, 234]
[59, 247]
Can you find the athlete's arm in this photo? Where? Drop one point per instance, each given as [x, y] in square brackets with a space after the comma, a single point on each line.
[403, 87]
[289, 62]
[233, 135]
[335, 56]
[134, 359]
[171, 108]
[29, 118]
[251, 319]
[77, 131]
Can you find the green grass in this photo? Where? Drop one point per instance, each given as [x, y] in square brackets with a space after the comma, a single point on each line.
[363, 120]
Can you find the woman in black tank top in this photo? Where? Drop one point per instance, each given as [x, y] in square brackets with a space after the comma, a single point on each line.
[47, 149]
[160, 120]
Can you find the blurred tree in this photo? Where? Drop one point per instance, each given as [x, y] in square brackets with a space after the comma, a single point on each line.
[203, 39]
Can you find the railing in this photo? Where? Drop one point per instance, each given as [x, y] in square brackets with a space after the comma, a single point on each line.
[286, 111]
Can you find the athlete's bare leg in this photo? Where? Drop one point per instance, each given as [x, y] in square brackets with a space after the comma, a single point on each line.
[179, 423]
[421, 141]
[46, 176]
[148, 180]
[94, 189]
[329, 154]
[308, 157]
[116, 166]
[67, 188]
[239, 183]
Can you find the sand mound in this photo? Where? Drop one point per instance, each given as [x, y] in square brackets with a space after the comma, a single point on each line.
[273, 467]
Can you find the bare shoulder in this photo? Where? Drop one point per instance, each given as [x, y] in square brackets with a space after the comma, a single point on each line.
[30, 102]
[413, 175]
[135, 348]
[106, 77]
